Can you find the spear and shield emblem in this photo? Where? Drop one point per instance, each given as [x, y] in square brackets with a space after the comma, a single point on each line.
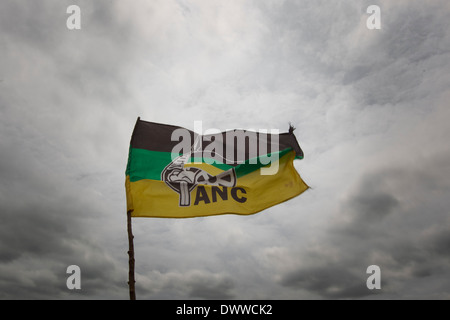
[183, 179]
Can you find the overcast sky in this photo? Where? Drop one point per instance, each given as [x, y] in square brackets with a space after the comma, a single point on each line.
[372, 116]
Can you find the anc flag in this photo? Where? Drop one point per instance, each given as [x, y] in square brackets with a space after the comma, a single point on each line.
[173, 172]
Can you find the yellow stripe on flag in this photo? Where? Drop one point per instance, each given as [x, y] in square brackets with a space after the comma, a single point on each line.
[252, 193]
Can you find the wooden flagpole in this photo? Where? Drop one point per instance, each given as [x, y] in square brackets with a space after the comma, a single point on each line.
[131, 280]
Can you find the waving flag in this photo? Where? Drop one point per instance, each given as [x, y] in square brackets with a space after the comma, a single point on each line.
[173, 172]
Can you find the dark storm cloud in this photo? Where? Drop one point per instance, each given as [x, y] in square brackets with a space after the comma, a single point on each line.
[41, 234]
[395, 218]
[392, 212]
[213, 288]
[46, 212]
[195, 284]
[333, 282]
[375, 206]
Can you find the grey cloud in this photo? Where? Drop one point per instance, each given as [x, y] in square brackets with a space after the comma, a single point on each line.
[373, 206]
[380, 224]
[440, 242]
[332, 281]
[39, 241]
[211, 288]
[195, 284]
[399, 63]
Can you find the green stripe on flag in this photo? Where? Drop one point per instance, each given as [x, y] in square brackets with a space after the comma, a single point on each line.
[146, 164]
